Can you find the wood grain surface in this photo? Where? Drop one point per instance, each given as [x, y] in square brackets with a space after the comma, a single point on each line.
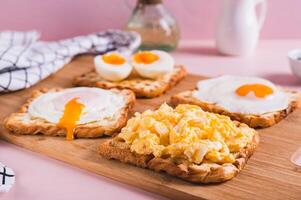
[269, 173]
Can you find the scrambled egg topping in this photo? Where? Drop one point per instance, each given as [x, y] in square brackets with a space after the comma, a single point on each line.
[186, 132]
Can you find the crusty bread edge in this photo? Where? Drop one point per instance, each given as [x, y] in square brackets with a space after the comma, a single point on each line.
[208, 173]
[81, 131]
[254, 121]
[139, 92]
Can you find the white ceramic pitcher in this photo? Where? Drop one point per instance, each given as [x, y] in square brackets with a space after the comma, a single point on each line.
[238, 26]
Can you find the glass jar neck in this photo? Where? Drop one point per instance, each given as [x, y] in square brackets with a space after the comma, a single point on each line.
[149, 2]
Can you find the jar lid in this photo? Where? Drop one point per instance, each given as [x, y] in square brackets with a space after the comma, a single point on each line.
[150, 1]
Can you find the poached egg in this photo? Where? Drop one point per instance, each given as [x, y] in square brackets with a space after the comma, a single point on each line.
[75, 106]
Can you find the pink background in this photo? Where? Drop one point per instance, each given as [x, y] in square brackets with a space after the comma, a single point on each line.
[63, 18]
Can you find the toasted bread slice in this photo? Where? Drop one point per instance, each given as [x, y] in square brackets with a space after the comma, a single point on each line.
[202, 173]
[142, 87]
[22, 123]
[254, 121]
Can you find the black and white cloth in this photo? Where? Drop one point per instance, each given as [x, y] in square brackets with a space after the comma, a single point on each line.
[24, 60]
[7, 178]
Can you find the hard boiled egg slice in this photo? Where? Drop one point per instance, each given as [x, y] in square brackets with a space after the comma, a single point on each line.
[112, 66]
[152, 64]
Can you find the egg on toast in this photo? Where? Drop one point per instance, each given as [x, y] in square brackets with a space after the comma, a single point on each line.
[147, 73]
[185, 142]
[254, 101]
[73, 112]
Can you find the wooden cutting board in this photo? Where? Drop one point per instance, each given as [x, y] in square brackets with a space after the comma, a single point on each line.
[268, 175]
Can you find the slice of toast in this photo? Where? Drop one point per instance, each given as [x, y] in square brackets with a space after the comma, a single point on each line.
[202, 173]
[254, 121]
[142, 87]
[22, 123]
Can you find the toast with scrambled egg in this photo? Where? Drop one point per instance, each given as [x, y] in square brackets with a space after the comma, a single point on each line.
[185, 142]
[254, 121]
[142, 87]
[22, 123]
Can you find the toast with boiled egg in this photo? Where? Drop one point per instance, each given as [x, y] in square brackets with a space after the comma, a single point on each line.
[148, 73]
[185, 142]
[73, 112]
[254, 101]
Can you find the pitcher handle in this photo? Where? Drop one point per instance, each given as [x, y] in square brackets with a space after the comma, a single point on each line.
[262, 12]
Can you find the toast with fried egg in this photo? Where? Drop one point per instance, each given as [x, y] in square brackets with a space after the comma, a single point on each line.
[142, 87]
[23, 123]
[195, 155]
[263, 119]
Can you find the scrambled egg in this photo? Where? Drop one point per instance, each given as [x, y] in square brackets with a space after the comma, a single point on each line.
[186, 132]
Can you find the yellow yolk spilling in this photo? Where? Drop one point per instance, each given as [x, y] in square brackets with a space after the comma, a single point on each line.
[72, 112]
[113, 59]
[260, 91]
[145, 57]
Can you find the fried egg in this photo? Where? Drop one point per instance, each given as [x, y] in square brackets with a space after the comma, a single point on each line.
[152, 64]
[112, 66]
[74, 106]
[245, 95]
[186, 132]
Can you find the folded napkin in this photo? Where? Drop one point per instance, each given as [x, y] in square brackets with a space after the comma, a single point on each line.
[24, 60]
[7, 178]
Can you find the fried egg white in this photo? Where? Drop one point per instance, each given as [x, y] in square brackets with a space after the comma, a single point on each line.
[152, 64]
[98, 104]
[245, 95]
[112, 66]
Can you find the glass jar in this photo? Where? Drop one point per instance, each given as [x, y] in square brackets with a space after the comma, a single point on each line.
[158, 29]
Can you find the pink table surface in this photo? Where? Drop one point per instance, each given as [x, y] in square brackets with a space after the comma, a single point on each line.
[39, 177]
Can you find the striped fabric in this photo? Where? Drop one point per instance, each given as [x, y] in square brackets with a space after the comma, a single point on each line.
[24, 60]
[7, 178]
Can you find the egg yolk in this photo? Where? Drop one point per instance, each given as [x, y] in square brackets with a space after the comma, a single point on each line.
[72, 112]
[260, 91]
[145, 57]
[113, 59]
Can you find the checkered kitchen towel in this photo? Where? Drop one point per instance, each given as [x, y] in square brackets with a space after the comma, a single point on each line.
[7, 178]
[24, 60]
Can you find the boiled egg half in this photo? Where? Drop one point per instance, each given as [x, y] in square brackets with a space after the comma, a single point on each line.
[112, 66]
[152, 64]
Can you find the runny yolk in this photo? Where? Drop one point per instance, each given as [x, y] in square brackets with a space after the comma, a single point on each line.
[260, 91]
[72, 112]
[113, 59]
[145, 57]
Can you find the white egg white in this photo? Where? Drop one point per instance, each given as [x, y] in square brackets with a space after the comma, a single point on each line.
[98, 104]
[221, 91]
[112, 72]
[157, 68]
